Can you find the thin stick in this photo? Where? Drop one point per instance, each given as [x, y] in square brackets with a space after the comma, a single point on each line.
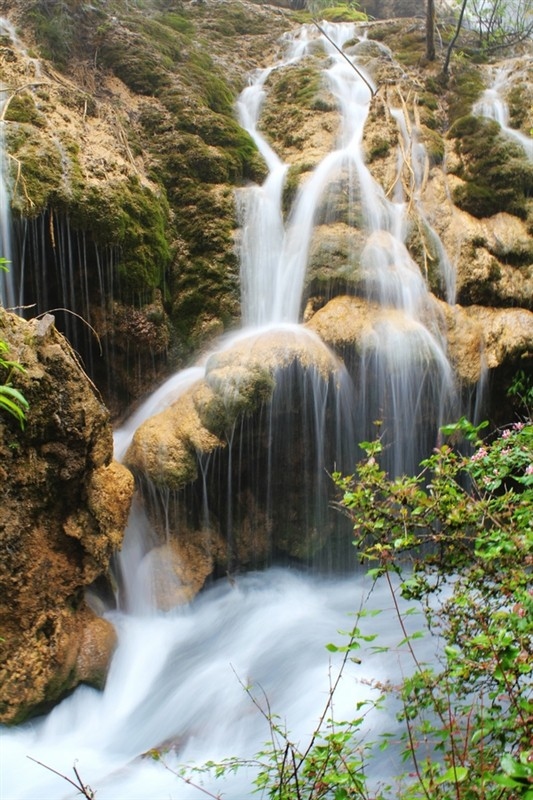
[86, 791]
[68, 311]
[343, 54]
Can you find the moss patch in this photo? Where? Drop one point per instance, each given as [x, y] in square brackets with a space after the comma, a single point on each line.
[465, 89]
[22, 108]
[132, 219]
[343, 13]
[496, 174]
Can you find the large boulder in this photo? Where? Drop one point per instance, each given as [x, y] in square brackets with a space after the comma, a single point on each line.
[64, 505]
[165, 449]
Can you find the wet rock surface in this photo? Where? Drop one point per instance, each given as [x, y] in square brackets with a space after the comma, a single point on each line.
[64, 504]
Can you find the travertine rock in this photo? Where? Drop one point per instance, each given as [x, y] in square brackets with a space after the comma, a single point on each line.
[64, 509]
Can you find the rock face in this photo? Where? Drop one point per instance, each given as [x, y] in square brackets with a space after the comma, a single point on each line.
[64, 509]
[125, 151]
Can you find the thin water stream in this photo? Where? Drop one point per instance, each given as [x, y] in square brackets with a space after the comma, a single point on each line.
[492, 104]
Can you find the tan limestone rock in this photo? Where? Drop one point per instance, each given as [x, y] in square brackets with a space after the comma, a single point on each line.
[237, 379]
[64, 507]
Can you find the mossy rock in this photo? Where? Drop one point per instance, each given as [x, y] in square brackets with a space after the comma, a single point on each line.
[138, 66]
[466, 87]
[434, 144]
[410, 49]
[54, 30]
[298, 84]
[37, 171]
[519, 102]
[379, 149]
[290, 187]
[343, 13]
[201, 287]
[497, 176]
[22, 108]
[131, 218]
[178, 22]
[234, 19]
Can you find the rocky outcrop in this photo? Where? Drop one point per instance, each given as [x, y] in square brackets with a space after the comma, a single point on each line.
[222, 426]
[476, 338]
[167, 447]
[64, 504]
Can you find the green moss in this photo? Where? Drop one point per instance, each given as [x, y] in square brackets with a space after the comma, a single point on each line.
[178, 22]
[435, 145]
[292, 182]
[137, 65]
[379, 149]
[165, 39]
[497, 176]
[53, 26]
[37, 172]
[519, 104]
[130, 218]
[205, 218]
[22, 108]
[233, 19]
[202, 286]
[201, 75]
[410, 49]
[297, 85]
[466, 88]
[343, 13]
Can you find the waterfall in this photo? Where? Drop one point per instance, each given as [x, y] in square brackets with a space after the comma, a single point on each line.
[177, 677]
[492, 105]
[10, 292]
[7, 287]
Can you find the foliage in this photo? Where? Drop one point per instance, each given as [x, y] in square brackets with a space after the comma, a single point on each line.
[466, 524]
[456, 541]
[498, 24]
[521, 388]
[11, 400]
[501, 23]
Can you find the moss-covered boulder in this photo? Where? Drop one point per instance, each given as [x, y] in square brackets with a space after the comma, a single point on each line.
[220, 426]
[495, 173]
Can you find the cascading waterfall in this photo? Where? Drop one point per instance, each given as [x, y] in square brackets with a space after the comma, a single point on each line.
[176, 677]
[492, 105]
[63, 271]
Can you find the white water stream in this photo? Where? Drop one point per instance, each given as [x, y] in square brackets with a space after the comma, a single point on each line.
[7, 289]
[176, 677]
[492, 105]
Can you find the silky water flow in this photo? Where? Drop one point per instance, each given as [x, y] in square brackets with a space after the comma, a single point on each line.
[177, 678]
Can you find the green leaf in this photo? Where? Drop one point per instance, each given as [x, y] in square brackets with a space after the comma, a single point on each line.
[453, 775]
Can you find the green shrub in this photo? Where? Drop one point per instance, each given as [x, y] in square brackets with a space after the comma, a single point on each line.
[456, 543]
[12, 401]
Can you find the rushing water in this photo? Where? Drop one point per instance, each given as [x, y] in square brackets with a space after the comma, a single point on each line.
[177, 677]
